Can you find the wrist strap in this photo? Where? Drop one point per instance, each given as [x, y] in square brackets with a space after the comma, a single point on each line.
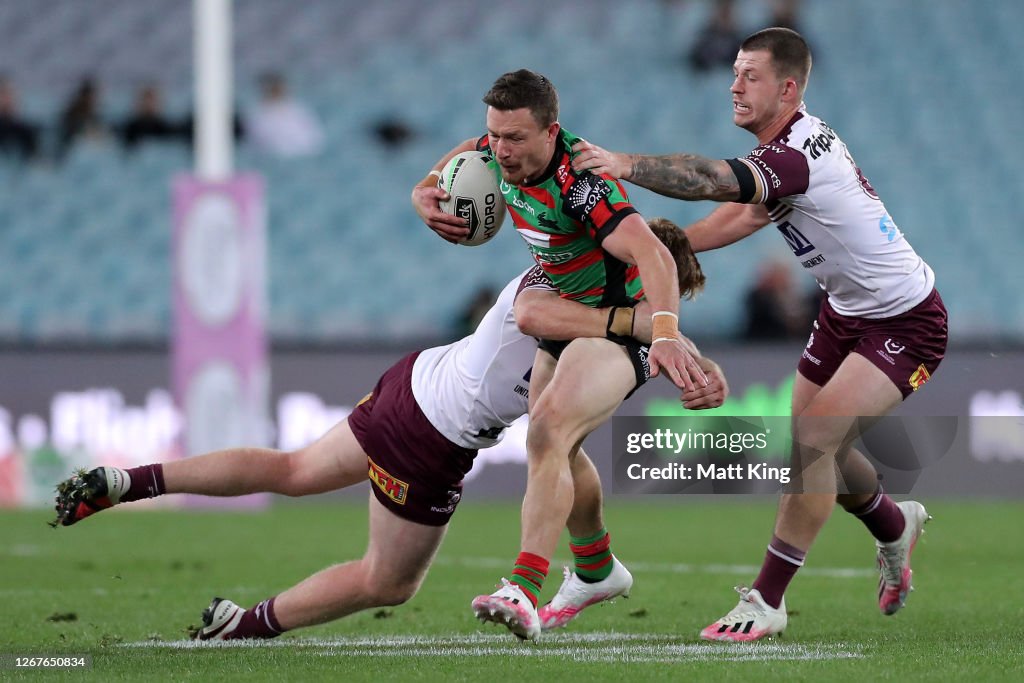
[432, 179]
[620, 322]
[664, 325]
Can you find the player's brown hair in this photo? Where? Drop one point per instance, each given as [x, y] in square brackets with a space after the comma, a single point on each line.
[791, 56]
[691, 277]
[525, 89]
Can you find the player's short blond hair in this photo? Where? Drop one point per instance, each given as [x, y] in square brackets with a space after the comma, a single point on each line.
[791, 57]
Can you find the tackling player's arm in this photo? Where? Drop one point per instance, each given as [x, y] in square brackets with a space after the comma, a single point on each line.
[544, 314]
[682, 176]
[728, 223]
[685, 176]
[633, 242]
[426, 198]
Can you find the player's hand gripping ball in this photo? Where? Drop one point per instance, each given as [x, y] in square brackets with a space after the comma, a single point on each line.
[471, 181]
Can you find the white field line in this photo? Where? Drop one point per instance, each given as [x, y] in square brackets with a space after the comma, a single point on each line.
[584, 647]
[668, 567]
[505, 563]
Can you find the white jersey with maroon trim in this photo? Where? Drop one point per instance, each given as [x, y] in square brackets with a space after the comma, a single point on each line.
[473, 389]
[835, 223]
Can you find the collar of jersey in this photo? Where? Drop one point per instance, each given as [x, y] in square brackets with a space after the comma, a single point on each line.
[556, 158]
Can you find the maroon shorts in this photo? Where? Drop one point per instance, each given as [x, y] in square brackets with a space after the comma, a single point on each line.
[415, 471]
[907, 347]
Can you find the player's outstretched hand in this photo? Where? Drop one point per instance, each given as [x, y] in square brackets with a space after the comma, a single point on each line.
[679, 365]
[711, 396]
[590, 157]
[426, 200]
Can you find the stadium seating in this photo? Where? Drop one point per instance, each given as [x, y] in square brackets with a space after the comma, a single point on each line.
[86, 242]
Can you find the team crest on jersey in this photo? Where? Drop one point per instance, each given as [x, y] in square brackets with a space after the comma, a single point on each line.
[920, 377]
[586, 191]
[395, 489]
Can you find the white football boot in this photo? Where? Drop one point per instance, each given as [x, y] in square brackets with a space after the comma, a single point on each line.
[575, 595]
[509, 606]
[895, 576]
[219, 620]
[752, 619]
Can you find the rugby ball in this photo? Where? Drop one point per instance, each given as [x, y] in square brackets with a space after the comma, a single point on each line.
[469, 178]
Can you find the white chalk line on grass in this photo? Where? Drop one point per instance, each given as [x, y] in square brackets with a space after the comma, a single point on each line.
[669, 567]
[504, 564]
[583, 647]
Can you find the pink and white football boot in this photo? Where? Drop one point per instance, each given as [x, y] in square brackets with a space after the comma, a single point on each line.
[576, 595]
[752, 619]
[895, 576]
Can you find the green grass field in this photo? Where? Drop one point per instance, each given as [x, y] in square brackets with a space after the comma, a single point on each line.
[123, 587]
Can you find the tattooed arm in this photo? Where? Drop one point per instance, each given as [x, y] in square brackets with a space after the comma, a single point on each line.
[685, 176]
[682, 176]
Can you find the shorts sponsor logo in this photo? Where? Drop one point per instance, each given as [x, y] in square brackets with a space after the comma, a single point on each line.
[810, 341]
[887, 357]
[920, 377]
[395, 489]
[894, 347]
[643, 352]
[453, 499]
[811, 358]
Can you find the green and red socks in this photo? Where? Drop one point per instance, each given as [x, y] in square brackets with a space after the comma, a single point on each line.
[592, 556]
[529, 574]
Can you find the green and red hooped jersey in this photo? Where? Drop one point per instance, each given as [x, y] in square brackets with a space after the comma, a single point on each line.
[564, 216]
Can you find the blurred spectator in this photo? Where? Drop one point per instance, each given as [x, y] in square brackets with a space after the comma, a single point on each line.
[718, 42]
[18, 137]
[785, 13]
[392, 132]
[281, 125]
[475, 310]
[147, 121]
[774, 308]
[188, 126]
[81, 117]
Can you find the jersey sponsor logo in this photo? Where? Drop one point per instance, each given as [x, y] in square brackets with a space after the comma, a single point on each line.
[586, 191]
[562, 173]
[816, 145]
[762, 165]
[395, 489]
[509, 192]
[919, 377]
[888, 227]
[813, 261]
[796, 240]
[554, 258]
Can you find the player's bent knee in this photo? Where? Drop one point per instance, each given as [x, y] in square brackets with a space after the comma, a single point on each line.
[391, 593]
